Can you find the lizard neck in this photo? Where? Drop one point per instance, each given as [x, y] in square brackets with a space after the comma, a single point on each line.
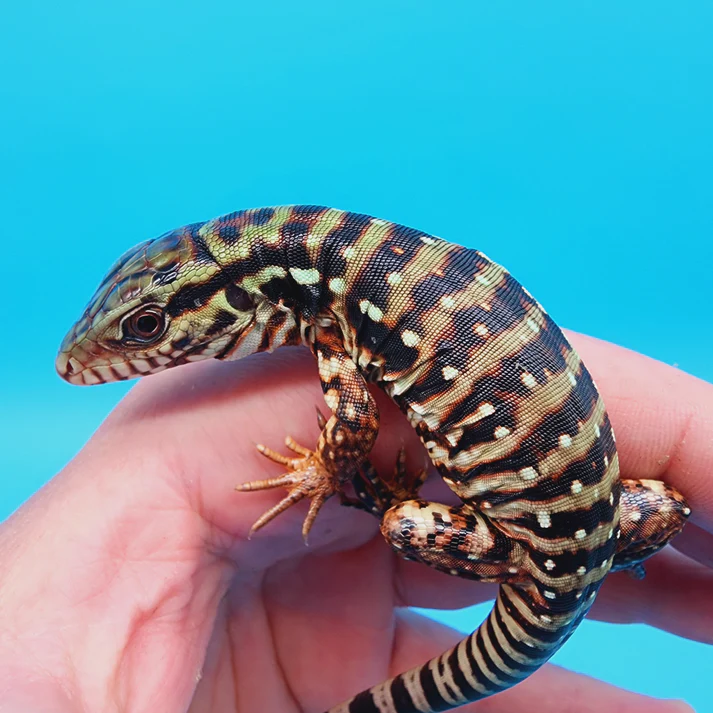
[297, 260]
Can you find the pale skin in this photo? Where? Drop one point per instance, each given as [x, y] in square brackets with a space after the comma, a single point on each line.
[128, 582]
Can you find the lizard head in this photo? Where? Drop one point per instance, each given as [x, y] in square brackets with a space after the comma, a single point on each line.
[163, 303]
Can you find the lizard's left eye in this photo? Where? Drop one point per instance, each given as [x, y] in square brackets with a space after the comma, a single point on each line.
[146, 325]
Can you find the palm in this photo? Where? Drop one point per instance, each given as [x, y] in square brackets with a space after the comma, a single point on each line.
[290, 617]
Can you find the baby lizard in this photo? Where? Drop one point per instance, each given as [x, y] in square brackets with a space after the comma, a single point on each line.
[507, 411]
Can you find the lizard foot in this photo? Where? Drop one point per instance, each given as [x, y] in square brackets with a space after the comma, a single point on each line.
[306, 478]
[377, 495]
[405, 485]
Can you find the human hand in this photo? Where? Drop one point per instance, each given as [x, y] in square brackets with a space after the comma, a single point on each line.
[128, 583]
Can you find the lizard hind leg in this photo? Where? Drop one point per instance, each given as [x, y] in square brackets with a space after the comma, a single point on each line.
[652, 514]
[457, 540]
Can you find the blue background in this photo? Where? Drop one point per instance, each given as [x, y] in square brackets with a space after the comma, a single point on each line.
[570, 141]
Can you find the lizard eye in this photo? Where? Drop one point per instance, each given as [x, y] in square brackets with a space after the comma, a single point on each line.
[146, 325]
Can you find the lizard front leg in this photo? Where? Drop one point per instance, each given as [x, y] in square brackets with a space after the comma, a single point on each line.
[347, 437]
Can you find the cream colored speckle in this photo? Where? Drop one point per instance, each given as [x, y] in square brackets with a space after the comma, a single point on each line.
[606, 461]
[486, 409]
[337, 285]
[565, 441]
[635, 516]
[581, 570]
[686, 511]
[394, 278]
[576, 487]
[483, 280]
[331, 398]
[448, 302]
[501, 432]
[533, 325]
[348, 252]
[543, 519]
[481, 330]
[597, 431]
[572, 378]
[305, 277]
[454, 572]
[546, 619]
[580, 534]
[372, 310]
[449, 372]
[549, 594]
[512, 570]
[410, 338]
[611, 498]
[528, 473]
[427, 240]
[528, 380]
[549, 565]
[375, 313]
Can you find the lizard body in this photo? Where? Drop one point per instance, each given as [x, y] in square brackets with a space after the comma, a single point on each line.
[507, 411]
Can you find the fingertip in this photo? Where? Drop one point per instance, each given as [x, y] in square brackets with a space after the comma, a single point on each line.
[679, 707]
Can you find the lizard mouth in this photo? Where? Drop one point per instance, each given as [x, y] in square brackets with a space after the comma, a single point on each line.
[70, 368]
[73, 370]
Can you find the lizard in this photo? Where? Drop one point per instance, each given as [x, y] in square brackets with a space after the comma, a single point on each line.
[509, 415]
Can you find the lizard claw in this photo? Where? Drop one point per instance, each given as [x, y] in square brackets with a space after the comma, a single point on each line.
[406, 485]
[306, 478]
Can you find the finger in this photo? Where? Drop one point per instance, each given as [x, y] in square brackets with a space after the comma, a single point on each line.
[662, 418]
[674, 596]
[696, 543]
[554, 689]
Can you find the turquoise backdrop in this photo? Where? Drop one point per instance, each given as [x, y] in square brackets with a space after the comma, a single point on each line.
[572, 142]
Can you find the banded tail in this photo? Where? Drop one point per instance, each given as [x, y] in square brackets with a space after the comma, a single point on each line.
[512, 642]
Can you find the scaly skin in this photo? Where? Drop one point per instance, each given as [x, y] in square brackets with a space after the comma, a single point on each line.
[508, 413]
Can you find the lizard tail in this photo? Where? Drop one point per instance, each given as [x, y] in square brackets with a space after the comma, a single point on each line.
[517, 637]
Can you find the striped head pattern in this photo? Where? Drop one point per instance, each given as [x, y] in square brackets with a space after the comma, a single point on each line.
[165, 302]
